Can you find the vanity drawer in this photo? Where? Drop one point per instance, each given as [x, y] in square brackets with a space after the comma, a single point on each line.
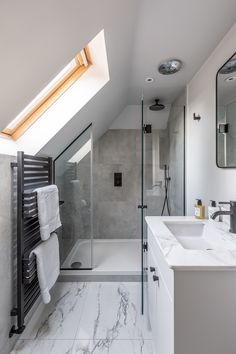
[166, 273]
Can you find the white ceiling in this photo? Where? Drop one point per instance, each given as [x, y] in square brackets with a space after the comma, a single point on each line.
[184, 29]
[38, 38]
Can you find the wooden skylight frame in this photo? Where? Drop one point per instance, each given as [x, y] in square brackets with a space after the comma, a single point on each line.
[82, 63]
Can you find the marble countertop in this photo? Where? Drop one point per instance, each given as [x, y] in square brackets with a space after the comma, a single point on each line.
[221, 256]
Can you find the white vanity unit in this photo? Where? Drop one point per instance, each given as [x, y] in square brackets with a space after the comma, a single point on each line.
[191, 286]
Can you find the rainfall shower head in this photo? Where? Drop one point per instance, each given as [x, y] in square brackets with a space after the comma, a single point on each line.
[157, 106]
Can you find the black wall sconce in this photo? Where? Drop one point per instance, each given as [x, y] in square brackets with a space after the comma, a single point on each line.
[196, 117]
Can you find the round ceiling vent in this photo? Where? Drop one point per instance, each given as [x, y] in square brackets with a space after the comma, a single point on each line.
[170, 66]
[229, 67]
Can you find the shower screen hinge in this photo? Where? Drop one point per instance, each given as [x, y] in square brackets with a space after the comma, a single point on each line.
[147, 128]
[145, 246]
[142, 206]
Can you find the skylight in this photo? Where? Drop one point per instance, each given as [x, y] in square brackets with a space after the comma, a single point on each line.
[48, 95]
[76, 88]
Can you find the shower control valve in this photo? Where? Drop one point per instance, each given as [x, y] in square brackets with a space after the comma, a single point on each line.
[156, 278]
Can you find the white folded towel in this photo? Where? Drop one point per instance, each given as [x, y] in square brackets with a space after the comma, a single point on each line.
[48, 265]
[48, 210]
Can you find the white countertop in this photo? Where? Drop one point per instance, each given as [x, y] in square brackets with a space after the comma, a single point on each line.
[223, 256]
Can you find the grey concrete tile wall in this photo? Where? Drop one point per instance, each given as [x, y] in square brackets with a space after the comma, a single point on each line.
[6, 255]
[115, 208]
[118, 147]
[118, 219]
[116, 214]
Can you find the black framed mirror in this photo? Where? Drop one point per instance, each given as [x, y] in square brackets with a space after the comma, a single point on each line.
[226, 114]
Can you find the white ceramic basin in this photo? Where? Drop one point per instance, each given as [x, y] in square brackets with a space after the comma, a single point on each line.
[189, 234]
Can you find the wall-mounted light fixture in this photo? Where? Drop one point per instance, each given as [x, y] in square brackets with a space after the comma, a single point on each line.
[196, 117]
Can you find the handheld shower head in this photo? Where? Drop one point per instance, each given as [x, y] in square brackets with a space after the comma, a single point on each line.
[157, 106]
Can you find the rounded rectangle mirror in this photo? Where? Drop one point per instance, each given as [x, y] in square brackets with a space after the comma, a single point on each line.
[226, 114]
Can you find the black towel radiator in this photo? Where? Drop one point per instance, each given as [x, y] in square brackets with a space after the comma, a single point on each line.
[32, 172]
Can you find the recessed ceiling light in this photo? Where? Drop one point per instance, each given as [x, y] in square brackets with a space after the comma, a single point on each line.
[231, 78]
[149, 80]
[170, 66]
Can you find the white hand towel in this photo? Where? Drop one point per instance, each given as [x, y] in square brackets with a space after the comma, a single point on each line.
[48, 210]
[48, 265]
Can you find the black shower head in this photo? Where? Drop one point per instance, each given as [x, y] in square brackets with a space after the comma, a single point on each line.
[157, 106]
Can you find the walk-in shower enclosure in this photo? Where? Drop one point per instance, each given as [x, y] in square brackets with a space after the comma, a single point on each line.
[108, 186]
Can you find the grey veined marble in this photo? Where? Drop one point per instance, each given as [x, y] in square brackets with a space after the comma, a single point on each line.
[94, 318]
[59, 319]
[83, 347]
[43, 347]
[115, 347]
[113, 312]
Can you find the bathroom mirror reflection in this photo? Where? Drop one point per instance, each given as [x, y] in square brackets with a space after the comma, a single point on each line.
[226, 114]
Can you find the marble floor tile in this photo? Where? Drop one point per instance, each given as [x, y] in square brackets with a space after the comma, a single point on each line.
[94, 318]
[112, 311]
[43, 347]
[104, 346]
[59, 319]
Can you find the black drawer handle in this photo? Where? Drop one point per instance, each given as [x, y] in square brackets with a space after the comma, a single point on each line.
[152, 269]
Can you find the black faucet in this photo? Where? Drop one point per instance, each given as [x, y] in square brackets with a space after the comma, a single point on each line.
[231, 212]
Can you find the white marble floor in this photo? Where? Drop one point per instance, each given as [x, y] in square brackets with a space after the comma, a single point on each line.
[88, 318]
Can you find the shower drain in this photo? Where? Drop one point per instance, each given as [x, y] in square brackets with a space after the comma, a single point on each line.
[76, 265]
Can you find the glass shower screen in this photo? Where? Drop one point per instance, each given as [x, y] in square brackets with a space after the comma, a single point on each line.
[73, 176]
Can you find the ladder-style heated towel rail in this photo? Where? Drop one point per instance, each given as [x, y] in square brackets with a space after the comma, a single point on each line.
[32, 172]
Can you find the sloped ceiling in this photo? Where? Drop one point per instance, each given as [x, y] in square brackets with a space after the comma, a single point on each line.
[38, 39]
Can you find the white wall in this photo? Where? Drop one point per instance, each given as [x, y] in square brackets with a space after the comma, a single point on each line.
[204, 179]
